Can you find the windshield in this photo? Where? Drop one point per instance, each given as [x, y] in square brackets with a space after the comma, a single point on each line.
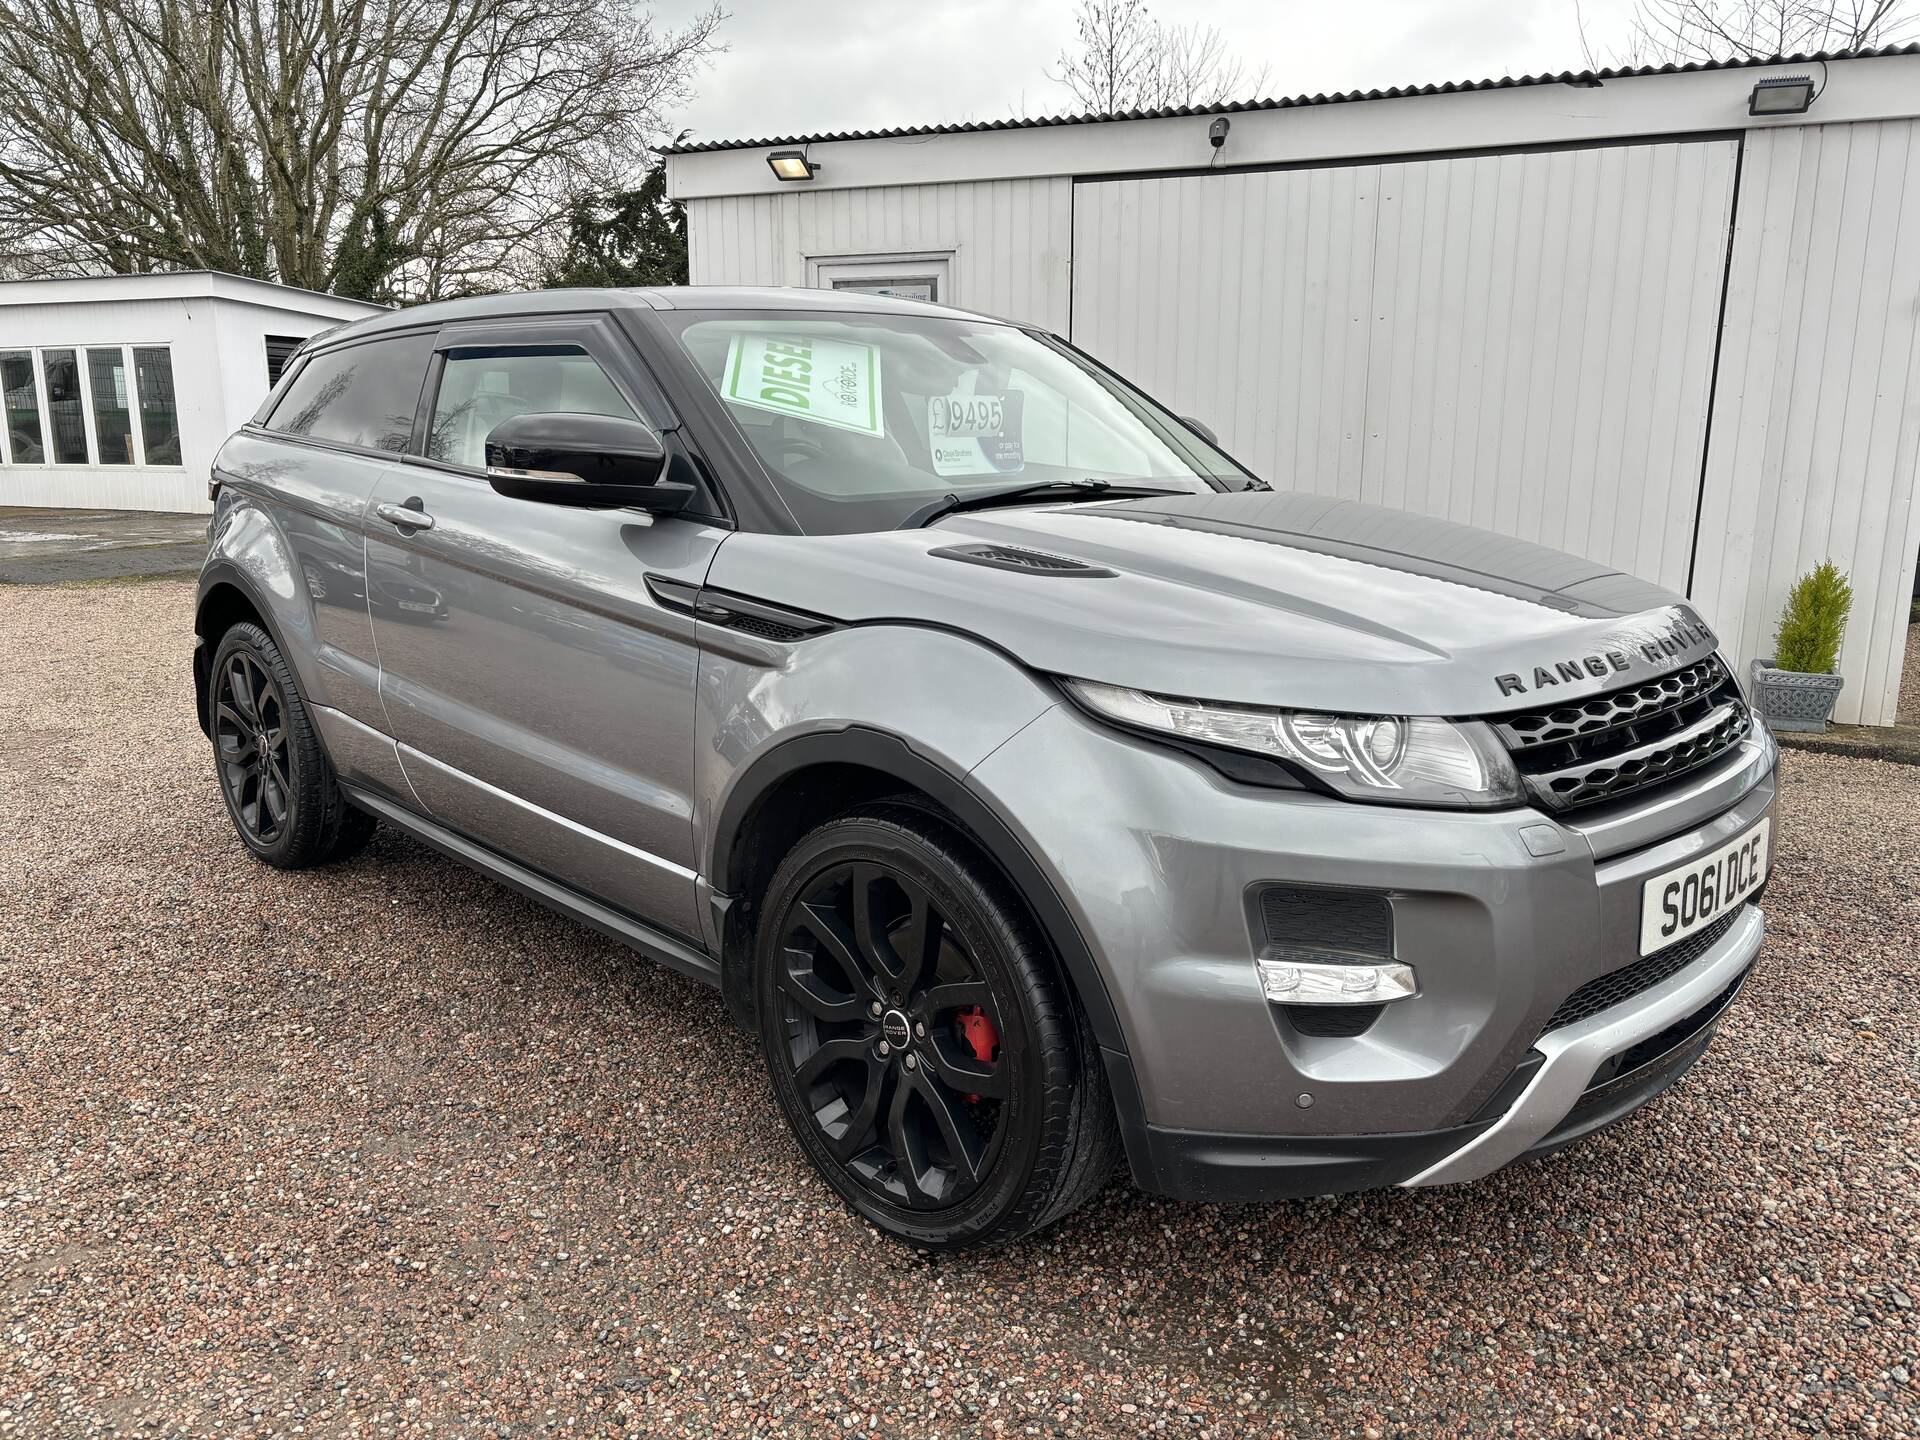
[862, 419]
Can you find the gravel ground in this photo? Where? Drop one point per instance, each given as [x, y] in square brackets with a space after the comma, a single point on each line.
[387, 1150]
[1909, 713]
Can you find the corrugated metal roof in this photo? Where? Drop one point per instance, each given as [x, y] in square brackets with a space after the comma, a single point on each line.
[1452, 87]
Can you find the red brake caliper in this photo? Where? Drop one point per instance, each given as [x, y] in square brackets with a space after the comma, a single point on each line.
[982, 1037]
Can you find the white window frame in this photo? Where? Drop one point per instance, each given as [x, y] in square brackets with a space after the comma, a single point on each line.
[83, 364]
[935, 265]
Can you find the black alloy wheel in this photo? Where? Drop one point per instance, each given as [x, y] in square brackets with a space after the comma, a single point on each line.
[279, 786]
[893, 1035]
[250, 739]
[931, 1064]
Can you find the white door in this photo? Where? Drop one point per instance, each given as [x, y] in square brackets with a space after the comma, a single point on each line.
[1522, 342]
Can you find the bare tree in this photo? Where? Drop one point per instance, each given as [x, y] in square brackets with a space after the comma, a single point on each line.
[391, 149]
[1128, 60]
[1683, 32]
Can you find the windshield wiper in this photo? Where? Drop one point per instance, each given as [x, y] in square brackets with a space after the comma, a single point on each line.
[1042, 489]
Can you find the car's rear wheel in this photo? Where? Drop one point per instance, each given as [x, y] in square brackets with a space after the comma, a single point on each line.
[920, 1041]
[278, 785]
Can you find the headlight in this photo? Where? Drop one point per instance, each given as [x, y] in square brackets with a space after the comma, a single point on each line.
[1391, 759]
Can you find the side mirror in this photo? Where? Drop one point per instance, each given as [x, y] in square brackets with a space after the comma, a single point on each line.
[568, 459]
[1205, 432]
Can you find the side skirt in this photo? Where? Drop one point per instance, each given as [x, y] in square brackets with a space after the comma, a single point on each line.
[655, 945]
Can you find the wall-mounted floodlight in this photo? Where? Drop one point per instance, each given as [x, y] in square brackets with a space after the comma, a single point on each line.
[1781, 95]
[792, 165]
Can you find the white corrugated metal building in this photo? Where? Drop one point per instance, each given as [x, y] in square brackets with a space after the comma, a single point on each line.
[1613, 312]
[117, 390]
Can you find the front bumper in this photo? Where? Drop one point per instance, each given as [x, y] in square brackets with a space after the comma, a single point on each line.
[1571, 1084]
[1502, 915]
[1686, 1007]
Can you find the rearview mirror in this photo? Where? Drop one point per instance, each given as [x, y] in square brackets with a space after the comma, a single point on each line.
[1204, 431]
[569, 459]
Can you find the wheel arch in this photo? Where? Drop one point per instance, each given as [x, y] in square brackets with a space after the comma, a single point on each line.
[759, 821]
[226, 599]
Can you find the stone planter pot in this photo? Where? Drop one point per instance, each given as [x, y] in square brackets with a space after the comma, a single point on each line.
[1791, 700]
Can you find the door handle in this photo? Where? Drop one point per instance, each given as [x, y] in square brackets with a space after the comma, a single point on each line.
[410, 517]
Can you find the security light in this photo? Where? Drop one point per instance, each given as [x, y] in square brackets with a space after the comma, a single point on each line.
[792, 165]
[1781, 95]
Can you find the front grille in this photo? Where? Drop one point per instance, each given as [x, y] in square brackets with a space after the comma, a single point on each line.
[1611, 745]
[1643, 974]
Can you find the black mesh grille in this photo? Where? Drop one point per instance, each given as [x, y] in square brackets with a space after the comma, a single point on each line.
[1349, 923]
[765, 629]
[1614, 744]
[1332, 1022]
[1323, 927]
[1643, 974]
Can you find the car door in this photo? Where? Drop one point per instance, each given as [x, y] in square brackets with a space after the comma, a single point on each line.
[309, 466]
[542, 699]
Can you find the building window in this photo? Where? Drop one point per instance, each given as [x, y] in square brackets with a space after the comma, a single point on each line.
[915, 275]
[20, 396]
[100, 405]
[66, 405]
[112, 409]
[280, 349]
[159, 413]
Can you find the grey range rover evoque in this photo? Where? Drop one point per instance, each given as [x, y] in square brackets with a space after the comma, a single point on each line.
[1041, 786]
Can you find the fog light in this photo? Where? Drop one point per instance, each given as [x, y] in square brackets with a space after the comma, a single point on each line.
[1287, 981]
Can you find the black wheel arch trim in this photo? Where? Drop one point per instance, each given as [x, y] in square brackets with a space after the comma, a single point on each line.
[889, 754]
[216, 574]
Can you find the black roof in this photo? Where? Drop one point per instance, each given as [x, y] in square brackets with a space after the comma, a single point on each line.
[1452, 87]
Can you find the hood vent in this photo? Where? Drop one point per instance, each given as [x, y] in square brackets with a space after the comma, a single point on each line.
[1032, 562]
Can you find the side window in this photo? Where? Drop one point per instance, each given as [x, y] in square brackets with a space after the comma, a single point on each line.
[20, 393]
[479, 388]
[64, 406]
[359, 395]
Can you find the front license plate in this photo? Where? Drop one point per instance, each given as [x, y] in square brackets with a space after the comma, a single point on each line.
[1679, 901]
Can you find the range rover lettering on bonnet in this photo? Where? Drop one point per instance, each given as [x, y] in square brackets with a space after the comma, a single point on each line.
[1675, 638]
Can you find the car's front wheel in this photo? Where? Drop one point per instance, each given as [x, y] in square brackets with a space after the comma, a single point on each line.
[279, 787]
[924, 1049]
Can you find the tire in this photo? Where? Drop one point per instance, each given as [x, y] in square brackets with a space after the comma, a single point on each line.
[290, 811]
[942, 1130]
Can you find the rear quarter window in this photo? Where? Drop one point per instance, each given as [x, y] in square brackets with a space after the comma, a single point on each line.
[363, 394]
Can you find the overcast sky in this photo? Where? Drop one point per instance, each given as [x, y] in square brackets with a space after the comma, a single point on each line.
[800, 68]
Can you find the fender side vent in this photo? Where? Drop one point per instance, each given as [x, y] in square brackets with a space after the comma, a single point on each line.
[736, 612]
[1033, 562]
[765, 629]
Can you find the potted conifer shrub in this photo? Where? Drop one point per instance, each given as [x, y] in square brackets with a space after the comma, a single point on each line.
[1795, 690]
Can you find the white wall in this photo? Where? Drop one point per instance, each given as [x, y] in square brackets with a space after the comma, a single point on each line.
[181, 325]
[1521, 342]
[1011, 241]
[1816, 419]
[219, 370]
[1462, 119]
